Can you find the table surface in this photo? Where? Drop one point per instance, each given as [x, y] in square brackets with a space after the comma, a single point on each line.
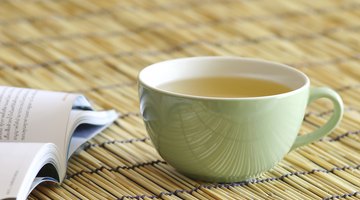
[98, 47]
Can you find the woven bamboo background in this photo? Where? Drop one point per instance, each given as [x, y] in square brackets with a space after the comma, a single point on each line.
[98, 47]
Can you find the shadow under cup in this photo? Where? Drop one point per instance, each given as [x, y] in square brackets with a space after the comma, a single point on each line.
[222, 139]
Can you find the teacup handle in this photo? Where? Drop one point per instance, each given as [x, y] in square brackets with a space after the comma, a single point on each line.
[316, 93]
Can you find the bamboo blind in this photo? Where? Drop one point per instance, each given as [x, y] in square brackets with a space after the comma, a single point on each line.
[98, 47]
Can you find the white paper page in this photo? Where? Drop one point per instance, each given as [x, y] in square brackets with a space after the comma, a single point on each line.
[39, 180]
[20, 163]
[92, 123]
[81, 103]
[28, 115]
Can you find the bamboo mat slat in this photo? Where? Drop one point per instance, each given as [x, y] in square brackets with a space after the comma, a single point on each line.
[98, 47]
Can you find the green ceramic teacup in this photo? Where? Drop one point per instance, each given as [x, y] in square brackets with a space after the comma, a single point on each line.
[228, 139]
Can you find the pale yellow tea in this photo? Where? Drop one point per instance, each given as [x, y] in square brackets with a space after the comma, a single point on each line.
[225, 87]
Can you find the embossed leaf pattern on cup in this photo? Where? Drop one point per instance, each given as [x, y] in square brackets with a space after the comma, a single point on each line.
[225, 141]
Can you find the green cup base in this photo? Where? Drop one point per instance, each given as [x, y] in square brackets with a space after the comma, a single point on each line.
[225, 179]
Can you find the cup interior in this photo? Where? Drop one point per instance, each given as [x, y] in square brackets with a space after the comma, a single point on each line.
[201, 67]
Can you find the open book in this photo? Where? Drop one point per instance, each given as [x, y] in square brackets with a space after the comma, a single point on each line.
[39, 131]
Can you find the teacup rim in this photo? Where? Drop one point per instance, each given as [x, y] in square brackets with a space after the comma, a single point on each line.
[281, 95]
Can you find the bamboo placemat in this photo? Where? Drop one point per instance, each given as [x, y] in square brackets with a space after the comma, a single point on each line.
[98, 47]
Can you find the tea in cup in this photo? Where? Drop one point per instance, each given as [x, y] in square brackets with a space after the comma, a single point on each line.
[227, 119]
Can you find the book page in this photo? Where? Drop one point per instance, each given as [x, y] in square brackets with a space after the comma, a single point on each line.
[28, 115]
[20, 163]
[87, 124]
